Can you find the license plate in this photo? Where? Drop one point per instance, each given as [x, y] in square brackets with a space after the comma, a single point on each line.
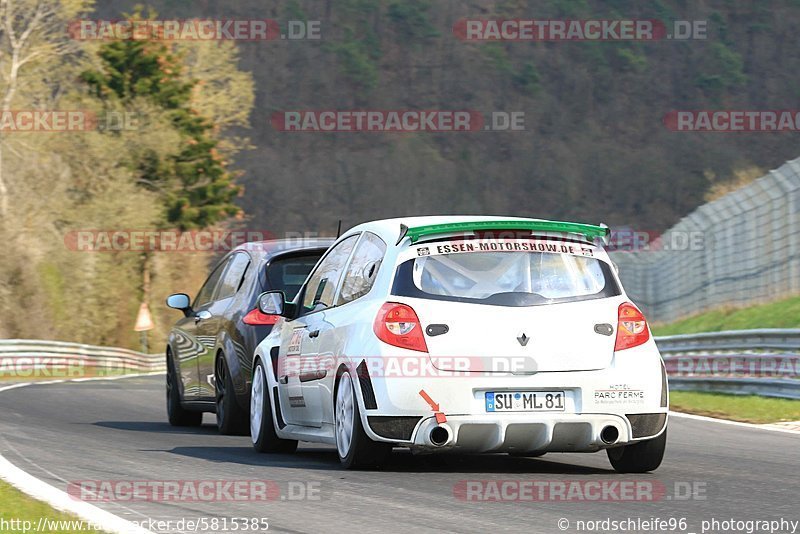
[525, 401]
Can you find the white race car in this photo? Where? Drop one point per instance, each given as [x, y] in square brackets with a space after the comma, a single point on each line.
[463, 334]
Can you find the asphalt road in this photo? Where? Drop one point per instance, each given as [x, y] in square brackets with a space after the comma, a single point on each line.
[117, 431]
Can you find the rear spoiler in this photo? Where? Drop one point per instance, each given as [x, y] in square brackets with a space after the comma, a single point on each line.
[590, 231]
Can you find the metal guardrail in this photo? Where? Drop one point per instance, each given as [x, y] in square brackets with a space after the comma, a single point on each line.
[763, 362]
[28, 358]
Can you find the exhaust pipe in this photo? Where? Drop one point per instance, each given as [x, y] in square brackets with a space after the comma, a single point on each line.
[609, 435]
[439, 436]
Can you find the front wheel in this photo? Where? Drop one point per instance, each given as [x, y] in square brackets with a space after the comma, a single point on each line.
[640, 457]
[262, 425]
[356, 450]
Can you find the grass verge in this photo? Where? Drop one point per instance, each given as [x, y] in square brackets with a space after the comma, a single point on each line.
[746, 408]
[20, 513]
[783, 313]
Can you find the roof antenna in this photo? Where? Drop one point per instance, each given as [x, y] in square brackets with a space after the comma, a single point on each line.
[339, 229]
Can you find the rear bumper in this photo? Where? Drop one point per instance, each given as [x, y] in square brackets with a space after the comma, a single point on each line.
[520, 433]
[630, 396]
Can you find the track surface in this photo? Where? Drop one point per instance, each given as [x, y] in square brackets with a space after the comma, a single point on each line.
[116, 430]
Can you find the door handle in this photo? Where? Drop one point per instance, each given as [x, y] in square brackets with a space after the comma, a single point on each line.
[314, 333]
[202, 315]
[283, 380]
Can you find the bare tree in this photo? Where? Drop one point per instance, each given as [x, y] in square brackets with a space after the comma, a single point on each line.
[33, 34]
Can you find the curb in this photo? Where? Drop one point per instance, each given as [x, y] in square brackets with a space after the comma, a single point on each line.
[58, 499]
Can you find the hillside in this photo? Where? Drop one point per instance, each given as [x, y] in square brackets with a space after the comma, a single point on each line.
[594, 147]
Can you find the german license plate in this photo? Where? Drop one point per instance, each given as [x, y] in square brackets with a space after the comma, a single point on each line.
[525, 401]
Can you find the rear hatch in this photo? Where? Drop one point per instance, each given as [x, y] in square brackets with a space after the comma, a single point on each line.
[523, 305]
[573, 336]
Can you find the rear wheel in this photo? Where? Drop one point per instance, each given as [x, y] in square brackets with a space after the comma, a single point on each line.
[262, 425]
[177, 415]
[639, 457]
[356, 450]
[231, 419]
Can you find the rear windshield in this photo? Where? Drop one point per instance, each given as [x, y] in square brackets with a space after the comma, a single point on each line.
[287, 273]
[505, 278]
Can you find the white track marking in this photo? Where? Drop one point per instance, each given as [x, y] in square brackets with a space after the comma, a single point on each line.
[57, 498]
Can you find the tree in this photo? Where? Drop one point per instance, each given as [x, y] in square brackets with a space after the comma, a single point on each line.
[193, 182]
[32, 36]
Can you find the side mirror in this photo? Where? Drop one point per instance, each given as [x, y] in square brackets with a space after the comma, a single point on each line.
[272, 303]
[180, 301]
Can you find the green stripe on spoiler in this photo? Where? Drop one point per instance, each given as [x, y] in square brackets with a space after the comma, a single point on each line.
[587, 230]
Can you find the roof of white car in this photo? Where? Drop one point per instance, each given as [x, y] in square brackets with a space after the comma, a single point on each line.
[389, 229]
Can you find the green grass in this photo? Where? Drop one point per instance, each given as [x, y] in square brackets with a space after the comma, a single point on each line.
[747, 408]
[783, 313]
[15, 505]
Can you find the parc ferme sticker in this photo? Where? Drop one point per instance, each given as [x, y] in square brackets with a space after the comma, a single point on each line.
[466, 246]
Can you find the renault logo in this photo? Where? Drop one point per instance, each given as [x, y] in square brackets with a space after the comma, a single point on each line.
[523, 339]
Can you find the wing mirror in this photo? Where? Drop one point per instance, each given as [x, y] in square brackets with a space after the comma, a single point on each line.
[180, 301]
[272, 303]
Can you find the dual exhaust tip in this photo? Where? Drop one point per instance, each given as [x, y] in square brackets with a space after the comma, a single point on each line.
[609, 435]
[440, 435]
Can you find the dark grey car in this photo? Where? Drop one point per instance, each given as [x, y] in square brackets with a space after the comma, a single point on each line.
[210, 350]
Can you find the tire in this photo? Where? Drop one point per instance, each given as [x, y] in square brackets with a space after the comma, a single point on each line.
[176, 413]
[355, 449]
[640, 457]
[231, 419]
[262, 424]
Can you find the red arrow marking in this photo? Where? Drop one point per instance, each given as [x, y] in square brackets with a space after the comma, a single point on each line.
[440, 417]
[433, 405]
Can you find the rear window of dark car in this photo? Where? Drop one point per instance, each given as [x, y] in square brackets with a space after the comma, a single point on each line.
[287, 273]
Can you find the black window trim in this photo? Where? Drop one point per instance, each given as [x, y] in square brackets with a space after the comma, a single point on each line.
[220, 264]
[301, 294]
[231, 256]
[350, 260]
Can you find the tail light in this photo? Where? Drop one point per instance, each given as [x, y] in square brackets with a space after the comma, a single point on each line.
[631, 327]
[255, 317]
[398, 325]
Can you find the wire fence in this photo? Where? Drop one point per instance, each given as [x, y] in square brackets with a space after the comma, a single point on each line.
[740, 249]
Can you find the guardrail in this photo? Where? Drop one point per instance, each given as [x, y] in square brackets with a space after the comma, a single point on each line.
[28, 358]
[762, 362]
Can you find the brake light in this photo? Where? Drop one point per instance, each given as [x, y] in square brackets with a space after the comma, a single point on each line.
[631, 327]
[255, 317]
[398, 325]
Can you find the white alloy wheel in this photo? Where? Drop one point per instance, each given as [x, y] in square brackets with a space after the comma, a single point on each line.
[257, 403]
[345, 415]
